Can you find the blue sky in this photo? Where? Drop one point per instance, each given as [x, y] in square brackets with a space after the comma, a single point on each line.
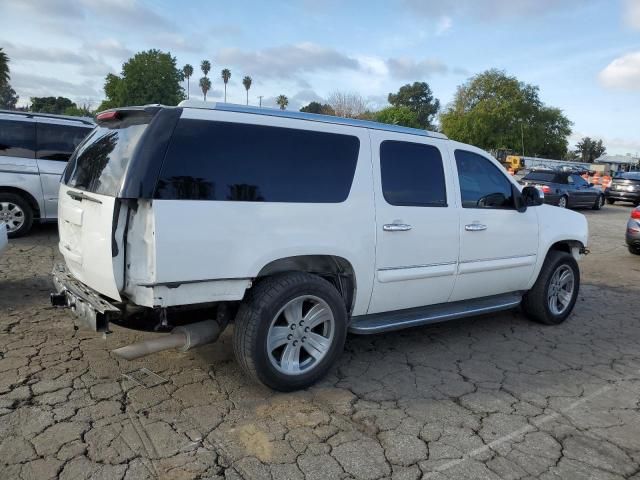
[583, 54]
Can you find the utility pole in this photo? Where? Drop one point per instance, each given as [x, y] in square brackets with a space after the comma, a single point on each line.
[260, 97]
[522, 135]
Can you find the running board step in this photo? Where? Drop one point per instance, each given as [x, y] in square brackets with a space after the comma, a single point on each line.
[412, 317]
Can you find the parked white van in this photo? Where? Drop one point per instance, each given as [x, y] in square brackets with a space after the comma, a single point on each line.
[34, 150]
[298, 228]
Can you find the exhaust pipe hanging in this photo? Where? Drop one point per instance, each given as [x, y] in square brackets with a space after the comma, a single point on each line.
[180, 338]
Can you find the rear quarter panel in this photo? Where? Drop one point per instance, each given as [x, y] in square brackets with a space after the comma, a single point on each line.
[199, 240]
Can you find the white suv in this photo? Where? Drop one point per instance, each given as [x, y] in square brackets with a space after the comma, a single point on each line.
[298, 228]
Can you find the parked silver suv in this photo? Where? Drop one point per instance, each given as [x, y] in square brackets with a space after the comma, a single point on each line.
[34, 150]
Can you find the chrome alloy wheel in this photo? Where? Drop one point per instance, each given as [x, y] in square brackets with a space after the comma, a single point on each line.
[300, 335]
[562, 202]
[11, 216]
[560, 291]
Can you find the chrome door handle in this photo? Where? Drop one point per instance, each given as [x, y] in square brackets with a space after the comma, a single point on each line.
[475, 227]
[396, 227]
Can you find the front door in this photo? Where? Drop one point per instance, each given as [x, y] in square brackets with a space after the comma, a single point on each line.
[416, 223]
[498, 244]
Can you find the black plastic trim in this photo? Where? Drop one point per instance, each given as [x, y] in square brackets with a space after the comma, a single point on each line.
[144, 169]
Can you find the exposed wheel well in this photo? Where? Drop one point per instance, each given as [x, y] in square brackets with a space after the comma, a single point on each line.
[337, 270]
[574, 247]
[27, 196]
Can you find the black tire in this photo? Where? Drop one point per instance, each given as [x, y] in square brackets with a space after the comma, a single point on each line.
[254, 318]
[634, 249]
[535, 303]
[610, 201]
[26, 209]
[566, 202]
[599, 203]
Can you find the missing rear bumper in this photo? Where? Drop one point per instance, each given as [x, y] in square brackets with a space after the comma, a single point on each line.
[89, 308]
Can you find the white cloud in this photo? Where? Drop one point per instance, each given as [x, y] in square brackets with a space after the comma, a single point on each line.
[489, 10]
[622, 73]
[632, 13]
[444, 25]
[407, 68]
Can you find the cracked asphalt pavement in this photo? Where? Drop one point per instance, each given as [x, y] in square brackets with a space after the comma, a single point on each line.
[488, 397]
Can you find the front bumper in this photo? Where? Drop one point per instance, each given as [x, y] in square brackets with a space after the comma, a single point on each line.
[89, 308]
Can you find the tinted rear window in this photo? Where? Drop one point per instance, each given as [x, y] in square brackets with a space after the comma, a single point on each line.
[254, 163]
[541, 176]
[412, 174]
[57, 142]
[17, 139]
[100, 162]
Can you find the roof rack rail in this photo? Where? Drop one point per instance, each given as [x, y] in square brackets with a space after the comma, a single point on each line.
[313, 117]
[85, 120]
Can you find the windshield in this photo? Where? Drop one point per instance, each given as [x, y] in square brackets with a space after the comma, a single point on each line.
[99, 163]
[630, 176]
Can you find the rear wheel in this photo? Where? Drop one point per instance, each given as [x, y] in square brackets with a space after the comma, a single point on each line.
[290, 330]
[610, 201]
[16, 215]
[599, 203]
[635, 249]
[563, 201]
[554, 294]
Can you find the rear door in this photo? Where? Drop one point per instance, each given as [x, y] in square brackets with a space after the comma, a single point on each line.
[89, 209]
[55, 142]
[416, 222]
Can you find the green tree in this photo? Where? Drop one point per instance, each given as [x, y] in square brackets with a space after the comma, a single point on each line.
[205, 66]
[226, 75]
[147, 77]
[205, 86]
[317, 107]
[8, 97]
[187, 71]
[401, 115]
[588, 150]
[246, 81]
[282, 101]
[419, 98]
[493, 110]
[4, 68]
[55, 105]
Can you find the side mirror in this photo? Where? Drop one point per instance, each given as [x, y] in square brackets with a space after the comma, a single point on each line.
[518, 199]
[532, 197]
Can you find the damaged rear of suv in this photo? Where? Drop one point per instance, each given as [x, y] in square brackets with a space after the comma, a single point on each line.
[298, 228]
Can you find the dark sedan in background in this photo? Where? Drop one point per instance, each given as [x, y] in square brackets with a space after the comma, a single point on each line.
[624, 187]
[565, 189]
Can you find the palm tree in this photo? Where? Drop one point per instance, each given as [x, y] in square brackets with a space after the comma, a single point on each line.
[205, 66]
[226, 75]
[4, 68]
[283, 101]
[205, 85]
[246, 81]
[187, 71]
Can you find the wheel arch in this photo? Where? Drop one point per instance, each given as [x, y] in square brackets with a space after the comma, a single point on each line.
[33, 203]
[336, 269]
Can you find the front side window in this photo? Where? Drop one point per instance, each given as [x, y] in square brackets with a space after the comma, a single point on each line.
[224, 161]
[57, 142]
[482, 184]
[412, 174]
[17, 139]
[578, 181]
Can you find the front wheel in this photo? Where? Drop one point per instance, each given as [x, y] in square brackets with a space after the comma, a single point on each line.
[599, 203]
[290, 330]
[554, 294]
[610, 201]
